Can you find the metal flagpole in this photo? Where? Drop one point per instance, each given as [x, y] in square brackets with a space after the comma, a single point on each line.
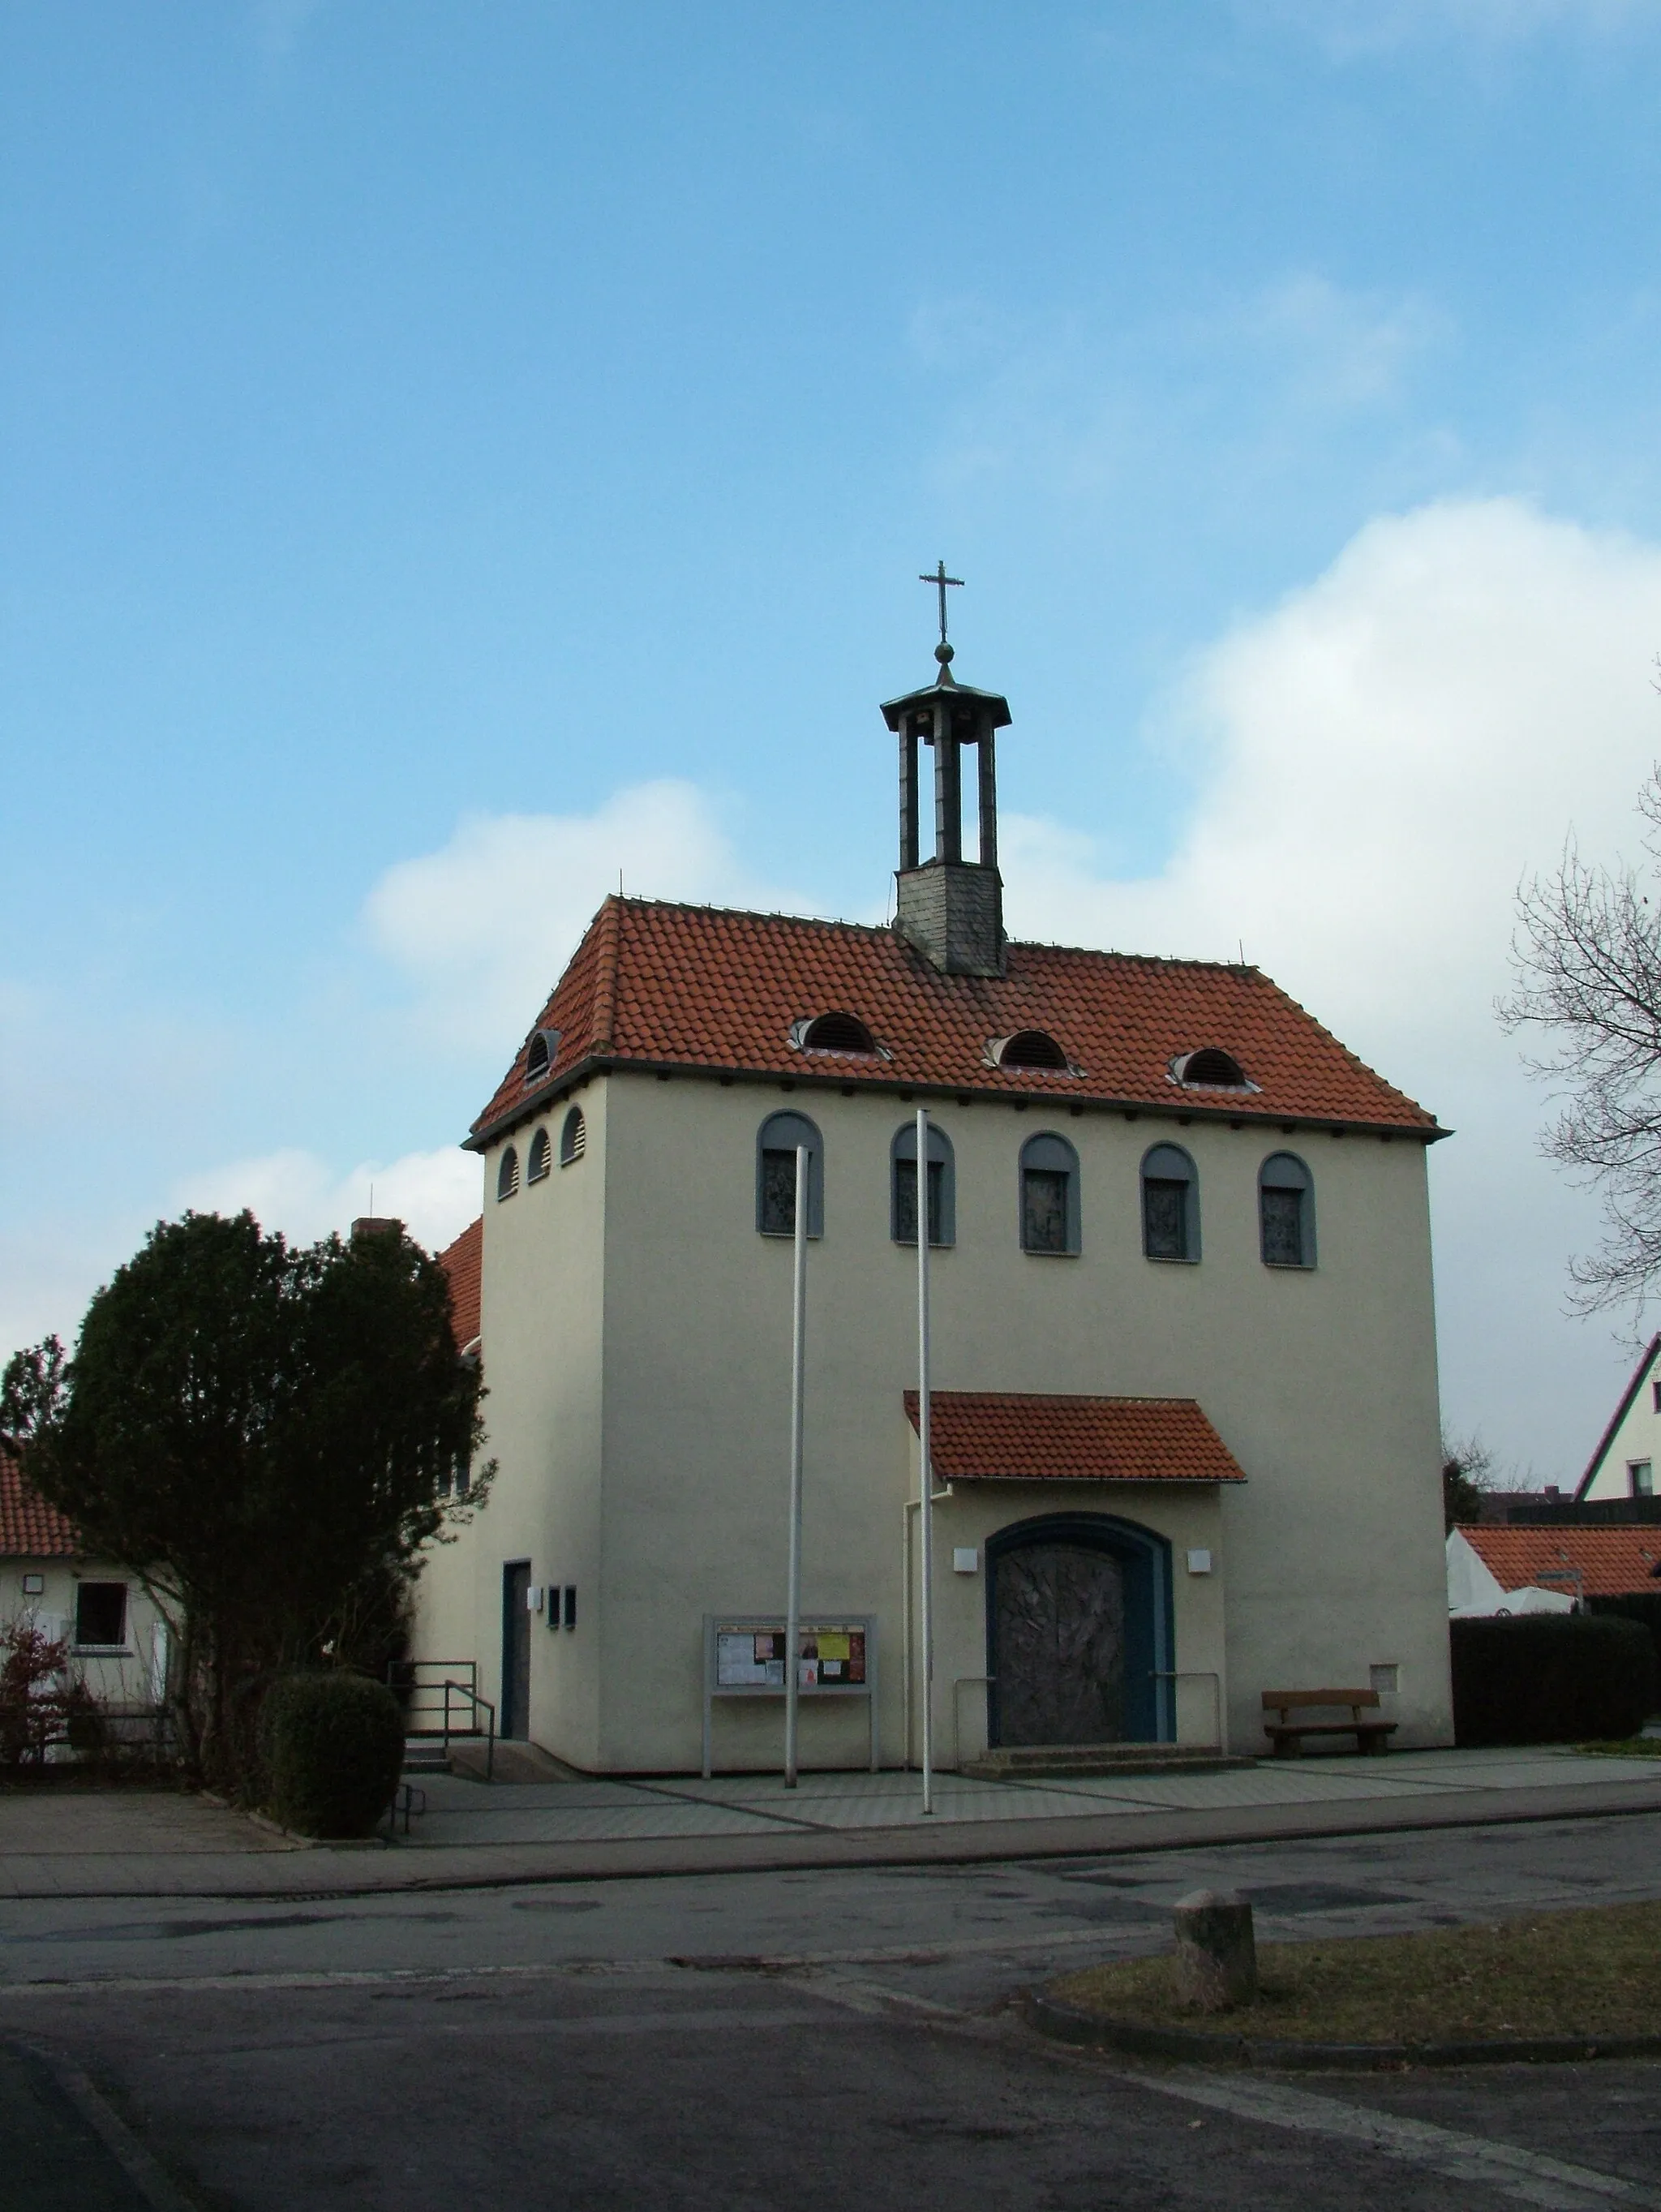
[925, 1508]
[797, 1361]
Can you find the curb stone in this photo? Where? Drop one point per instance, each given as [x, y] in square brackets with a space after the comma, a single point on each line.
[1064, 2023]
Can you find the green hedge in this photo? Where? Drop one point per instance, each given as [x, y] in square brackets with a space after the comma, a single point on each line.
[1642, 1606]
[333, 1747]
[1551, 1678]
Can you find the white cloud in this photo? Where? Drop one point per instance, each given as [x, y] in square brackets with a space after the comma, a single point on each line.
[484, 927]
[434, 1194]
[1383, 756]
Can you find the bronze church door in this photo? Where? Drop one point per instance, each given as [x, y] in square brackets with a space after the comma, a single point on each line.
[1058, 1651]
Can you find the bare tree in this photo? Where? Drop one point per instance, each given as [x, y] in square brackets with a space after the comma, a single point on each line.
[1587, 961]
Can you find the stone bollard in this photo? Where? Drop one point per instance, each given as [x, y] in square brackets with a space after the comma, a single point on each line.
[1216, 1956]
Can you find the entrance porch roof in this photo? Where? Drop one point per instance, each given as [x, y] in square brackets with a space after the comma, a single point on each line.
[1026, 1436]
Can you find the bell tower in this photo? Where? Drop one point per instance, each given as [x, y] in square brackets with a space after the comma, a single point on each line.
[950, 908]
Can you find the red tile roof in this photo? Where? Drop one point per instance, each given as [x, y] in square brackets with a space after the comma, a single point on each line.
[657, 986]
[1610, 1560]
[29, 1528]
[1022, 1435]
[463, 1262]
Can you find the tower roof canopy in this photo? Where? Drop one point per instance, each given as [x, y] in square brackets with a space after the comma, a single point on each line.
[993, 704]
[663, 987]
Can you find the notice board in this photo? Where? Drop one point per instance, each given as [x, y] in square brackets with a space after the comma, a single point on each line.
[745, 1656]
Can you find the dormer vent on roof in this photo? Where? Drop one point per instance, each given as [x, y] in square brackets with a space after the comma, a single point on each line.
[1030, 1048]
[1210, 1069]
[836, 1032]
[541, 1054]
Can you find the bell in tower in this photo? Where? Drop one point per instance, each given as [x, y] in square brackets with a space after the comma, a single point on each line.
[950, 908]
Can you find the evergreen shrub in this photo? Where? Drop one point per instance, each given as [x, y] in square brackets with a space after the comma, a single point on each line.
[1551, 1678]
[1643, 1606]
[333, 1746]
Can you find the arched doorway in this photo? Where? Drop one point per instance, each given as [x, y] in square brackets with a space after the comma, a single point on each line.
[1078, 1631]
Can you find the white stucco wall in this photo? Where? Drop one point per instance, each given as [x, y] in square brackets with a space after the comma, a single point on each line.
[129, 1678]
[650, 1469]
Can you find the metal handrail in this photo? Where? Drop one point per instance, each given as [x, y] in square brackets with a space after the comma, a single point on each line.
[437, 1700]
[1196, 1675]
[477, 1703]
[958, 1682]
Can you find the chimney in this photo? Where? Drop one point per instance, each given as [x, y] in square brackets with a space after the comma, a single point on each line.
[375, 1224]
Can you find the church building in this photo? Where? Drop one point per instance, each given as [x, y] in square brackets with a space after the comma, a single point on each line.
[1184, 1406]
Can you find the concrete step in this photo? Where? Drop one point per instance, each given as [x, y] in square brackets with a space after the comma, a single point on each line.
[1019, 1762]
[425, 1755]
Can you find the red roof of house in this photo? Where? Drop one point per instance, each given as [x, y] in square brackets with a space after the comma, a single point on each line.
[660, 986]
[29, 1528]
[1610, 1560]
[462, 1261]
[1024, 1435]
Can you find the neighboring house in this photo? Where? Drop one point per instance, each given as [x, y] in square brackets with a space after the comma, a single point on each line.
[117, 1640]
[1601, 1561]
[1629, 1450]
[1185, 1399]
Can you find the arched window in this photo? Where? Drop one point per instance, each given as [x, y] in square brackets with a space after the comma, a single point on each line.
[1170, 1205]
[835, 1033]
[1049, 1196]
[1210, 1069]
[507, 1174]
[776, 1141]
[1286, 1212]
[1030, 1048]
[902, 1187]
[574, 1137]
[536, 1165]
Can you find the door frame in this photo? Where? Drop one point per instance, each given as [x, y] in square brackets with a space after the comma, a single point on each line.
[509, 1720]
[1149, 1638]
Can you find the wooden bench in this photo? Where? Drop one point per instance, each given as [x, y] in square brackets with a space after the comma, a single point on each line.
[1288, 1736]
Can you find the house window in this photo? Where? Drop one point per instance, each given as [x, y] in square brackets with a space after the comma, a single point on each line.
[1049, 1196]
[101, 1615]
[775, 1174]
[1170, 1205]
[1655, 1394]
[943, 1195]
[34, 1585]
[507, 1174]
[574, 1137]
[1286, 1212]
[1641, 1477]
[541, 1152]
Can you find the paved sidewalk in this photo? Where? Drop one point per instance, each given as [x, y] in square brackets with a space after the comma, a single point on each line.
[142, 1843]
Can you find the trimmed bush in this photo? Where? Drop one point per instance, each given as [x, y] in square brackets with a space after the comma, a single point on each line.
[1643, 1606]
[333, 1747]
[1551, 1678]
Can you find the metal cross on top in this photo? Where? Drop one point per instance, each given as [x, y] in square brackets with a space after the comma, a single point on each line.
[940, 579]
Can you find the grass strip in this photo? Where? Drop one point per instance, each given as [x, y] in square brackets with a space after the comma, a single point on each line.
[1596, 1971]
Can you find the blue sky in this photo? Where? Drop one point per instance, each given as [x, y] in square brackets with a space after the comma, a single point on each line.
[450, 453]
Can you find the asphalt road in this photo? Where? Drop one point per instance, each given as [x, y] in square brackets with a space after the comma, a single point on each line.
[836, 2039]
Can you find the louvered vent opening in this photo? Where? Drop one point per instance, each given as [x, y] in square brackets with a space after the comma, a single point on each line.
[838, 1033]
[573, 1137]
[507, 1174]
[539, 1054]
[1033, 1048]
[541, 1152]
[1212, 1067]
